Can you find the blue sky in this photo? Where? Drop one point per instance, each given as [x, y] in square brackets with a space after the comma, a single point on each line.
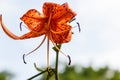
[98, 44]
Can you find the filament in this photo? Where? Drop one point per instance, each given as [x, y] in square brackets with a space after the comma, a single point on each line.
[48, 34]
[24, 55]
[48, 46]
[72, 20]
[60, 50]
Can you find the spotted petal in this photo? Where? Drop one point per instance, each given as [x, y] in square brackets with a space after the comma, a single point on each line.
[49, 7]
[33, 19]
[59, 11]
[36, 32]
[67, 17]
[62, 34]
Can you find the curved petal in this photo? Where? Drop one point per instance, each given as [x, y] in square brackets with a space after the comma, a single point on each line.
[36, 32]
[33, 18]
[9, 33]
[49, 7]
[67, 17]
[59, 11]
[62, 34]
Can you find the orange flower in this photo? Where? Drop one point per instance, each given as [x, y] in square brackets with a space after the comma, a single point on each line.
[53, 23]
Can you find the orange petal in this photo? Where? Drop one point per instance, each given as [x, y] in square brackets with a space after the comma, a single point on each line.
[61, 10]
[49, 7]
[36, 32]
[62, 34]
[32, 19]
[9, 33]
[67, 17]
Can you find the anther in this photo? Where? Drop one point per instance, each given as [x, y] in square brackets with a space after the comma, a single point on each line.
[24, 59]
[78, 26]
[20, 26]
[69, 59]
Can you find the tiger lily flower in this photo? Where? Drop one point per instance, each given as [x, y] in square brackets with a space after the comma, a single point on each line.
[53, 23]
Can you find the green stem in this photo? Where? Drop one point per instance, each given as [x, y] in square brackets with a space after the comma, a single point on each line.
[56, 65]
[37, 75]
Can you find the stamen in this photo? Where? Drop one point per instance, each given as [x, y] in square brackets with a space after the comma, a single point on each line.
[78, 26]
[48, 46]
[48, 29]
[24, 59]
[24, 55]
[69, 59]
[62, 53]
[72, 20]
[60, 50]
[20, 26]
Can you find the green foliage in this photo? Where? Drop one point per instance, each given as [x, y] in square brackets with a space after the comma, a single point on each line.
[4, 75]
[75, 73]
[87, 73]
[116, 75]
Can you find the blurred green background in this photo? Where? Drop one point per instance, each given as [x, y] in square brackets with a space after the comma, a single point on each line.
[75, 73]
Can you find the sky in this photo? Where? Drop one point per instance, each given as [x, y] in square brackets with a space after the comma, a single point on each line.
[98, 43]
